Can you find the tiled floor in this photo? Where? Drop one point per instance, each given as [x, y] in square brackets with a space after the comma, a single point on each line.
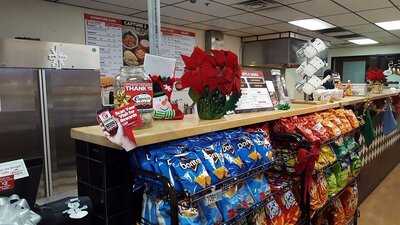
[382, 207]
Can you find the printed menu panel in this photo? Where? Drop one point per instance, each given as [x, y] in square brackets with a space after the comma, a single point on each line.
[255, 94]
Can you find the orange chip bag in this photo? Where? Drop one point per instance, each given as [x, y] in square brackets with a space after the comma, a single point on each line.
[315, 201]
[349, 200]
[337, 213]
[290, 208]
[352, 118]
[322, 186]
[274, 213]
[343, 118]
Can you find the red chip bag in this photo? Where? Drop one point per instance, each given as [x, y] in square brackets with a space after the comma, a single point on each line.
[274, 213]
[349, 200]
[338, 216]
[285, 125]
[290, 208]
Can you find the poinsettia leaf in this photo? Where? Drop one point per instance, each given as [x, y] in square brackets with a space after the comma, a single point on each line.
[228, 74]
[189, 63]
[194, 95]
[198, 56]
[231, 59]
[219, 56]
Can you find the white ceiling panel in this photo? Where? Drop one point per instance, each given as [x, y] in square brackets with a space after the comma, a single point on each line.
[334, 34]
[251, 18]
[101, 6]
[359, 5]
[287, 2]
[203, 26]
[379, 34]
[365, 28]
[283, 13]
[381, 15]
[212, 8]
[281, 27]
[172, 20]
[135, 4]
[226, 24]
[257, 30]
[184, 14]
[320, 8]
[345, 20]
[237, 33]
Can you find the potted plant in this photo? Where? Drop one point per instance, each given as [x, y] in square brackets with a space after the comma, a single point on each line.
[376, 78]
[213, 80]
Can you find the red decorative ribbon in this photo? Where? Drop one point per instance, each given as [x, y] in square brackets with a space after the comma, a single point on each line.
[306, 161]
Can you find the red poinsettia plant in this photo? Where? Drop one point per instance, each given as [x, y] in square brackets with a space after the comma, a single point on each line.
[212, 77]
[375, 75]
[218, 70]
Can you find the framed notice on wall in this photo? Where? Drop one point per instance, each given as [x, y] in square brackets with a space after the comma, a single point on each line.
[255, 94]
[124, 42]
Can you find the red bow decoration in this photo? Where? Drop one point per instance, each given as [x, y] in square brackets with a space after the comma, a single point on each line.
[375, 75]
[306, 162]
[219, 70]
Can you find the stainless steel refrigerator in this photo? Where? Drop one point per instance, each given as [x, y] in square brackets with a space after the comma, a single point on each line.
[46, 88]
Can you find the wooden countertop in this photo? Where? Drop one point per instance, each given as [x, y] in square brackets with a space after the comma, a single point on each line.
[171, 130]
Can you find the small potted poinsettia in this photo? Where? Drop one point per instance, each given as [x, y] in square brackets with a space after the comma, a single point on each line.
[213, 80]
[376, 78]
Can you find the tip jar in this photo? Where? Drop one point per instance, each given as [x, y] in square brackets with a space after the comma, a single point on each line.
[133, 86]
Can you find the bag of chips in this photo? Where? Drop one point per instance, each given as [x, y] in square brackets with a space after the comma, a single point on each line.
[290, 208]
[332, 184]
[340, 113]
[258, 218]
[149, 211]
[210, 153]
[338, 214]
[355, 123]
[317, 127]
[339, 148]
[350, 143]
[349, 200]
[233, 162]
[274, 212]
[189, 216]
[246, 150]
[262, 147]
[259, 187]
[315, 201]
[326, 157]
[322, 187]
[356, 164]
[234, 200]
[191, 172]
[342, 172]
[210, 213]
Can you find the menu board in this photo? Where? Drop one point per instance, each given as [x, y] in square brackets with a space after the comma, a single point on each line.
[175, 43]
[107, 34]
[255, 94]
[124, 42]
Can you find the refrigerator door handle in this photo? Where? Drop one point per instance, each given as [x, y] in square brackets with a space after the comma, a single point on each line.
[46, 135]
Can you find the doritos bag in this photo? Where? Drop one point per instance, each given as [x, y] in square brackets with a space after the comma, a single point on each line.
[191, 172]
[233, 162]
[210, 213]
[259, 187]
[246, 150]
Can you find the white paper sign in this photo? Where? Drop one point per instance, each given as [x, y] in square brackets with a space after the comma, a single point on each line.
[157, 65]
[16, 168]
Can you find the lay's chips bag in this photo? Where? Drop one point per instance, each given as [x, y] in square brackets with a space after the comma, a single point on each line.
[259, 187]
[191, 172]
[210, 153]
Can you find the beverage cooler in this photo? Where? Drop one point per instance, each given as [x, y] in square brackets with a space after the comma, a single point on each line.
[46, 88]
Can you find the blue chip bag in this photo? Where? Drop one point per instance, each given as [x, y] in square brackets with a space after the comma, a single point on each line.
[262, 147]
[189, 216]
[210, 153]
[191, 172]
[163, 210]
[233, 162]
[210, 213]
[149, 211]
[259, 187]
[234, 201]
[246, 149]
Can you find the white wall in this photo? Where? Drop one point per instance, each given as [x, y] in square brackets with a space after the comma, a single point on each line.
[62, 23]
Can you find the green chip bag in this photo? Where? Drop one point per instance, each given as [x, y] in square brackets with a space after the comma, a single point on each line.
[356, 164]
[332, 184]
[339, 147]
[342, 173]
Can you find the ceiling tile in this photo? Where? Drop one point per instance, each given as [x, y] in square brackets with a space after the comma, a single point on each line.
[334, 34]
[287, 2]
[257, 6]
[320, 8]
[379, 34]
[174, 21]
[345, 20]
[101, 6]
[142, 15]
[203, 26]
[359, 5]
[226, 24]
[229, 2]
[283, 13]
[381, 15]
[254, 19]
[281, 27]
[257, 30]
[168, 2]
[184, 14]
[141, 4]
[210, 8]
[365, 28]
[237, 33]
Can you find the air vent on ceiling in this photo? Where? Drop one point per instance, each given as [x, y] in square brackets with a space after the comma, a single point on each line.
[349, 36]
[257, 4]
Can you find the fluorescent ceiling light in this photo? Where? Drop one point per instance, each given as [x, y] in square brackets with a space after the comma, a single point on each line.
[312, 24]
[390, 25]
[363, 41]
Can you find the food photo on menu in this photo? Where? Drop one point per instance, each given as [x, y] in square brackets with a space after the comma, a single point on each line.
[135, 46]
